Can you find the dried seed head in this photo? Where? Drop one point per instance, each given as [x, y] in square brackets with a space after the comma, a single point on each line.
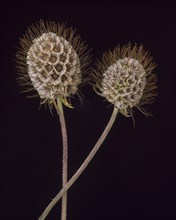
[53, 71]
[124, 77]
[51, 60]
[123, 83]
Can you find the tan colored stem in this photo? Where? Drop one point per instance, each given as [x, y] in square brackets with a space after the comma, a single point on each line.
[82, 167]
[59, 108]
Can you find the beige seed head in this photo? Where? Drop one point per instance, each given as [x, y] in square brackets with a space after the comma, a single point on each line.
[51, 61]
[125, 78]
[53, 67]
[123, 83]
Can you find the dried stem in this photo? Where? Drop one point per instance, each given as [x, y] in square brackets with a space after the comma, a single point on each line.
[82, 167]
[59, 108]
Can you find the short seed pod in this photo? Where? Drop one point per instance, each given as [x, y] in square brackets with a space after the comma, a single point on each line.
[125, 78]
[51, 61]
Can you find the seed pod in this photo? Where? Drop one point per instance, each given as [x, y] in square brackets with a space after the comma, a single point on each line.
[51, 61]
[125, 78]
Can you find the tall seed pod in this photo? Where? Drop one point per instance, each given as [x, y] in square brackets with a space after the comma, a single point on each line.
[52, 61]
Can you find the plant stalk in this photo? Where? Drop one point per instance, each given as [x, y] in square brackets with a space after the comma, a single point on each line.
[82, 167]
[59, 108]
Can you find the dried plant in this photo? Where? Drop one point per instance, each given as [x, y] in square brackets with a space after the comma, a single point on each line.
[52, 61]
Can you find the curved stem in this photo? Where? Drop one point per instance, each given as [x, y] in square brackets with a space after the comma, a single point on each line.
[59, 108]
[82, 167]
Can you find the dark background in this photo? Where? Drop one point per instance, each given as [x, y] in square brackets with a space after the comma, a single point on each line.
[133, 175]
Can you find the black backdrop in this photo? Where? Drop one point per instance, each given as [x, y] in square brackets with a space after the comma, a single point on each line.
[133, 175]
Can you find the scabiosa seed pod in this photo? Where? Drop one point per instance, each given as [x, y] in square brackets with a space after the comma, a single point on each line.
[125, 78]
[51, 61]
